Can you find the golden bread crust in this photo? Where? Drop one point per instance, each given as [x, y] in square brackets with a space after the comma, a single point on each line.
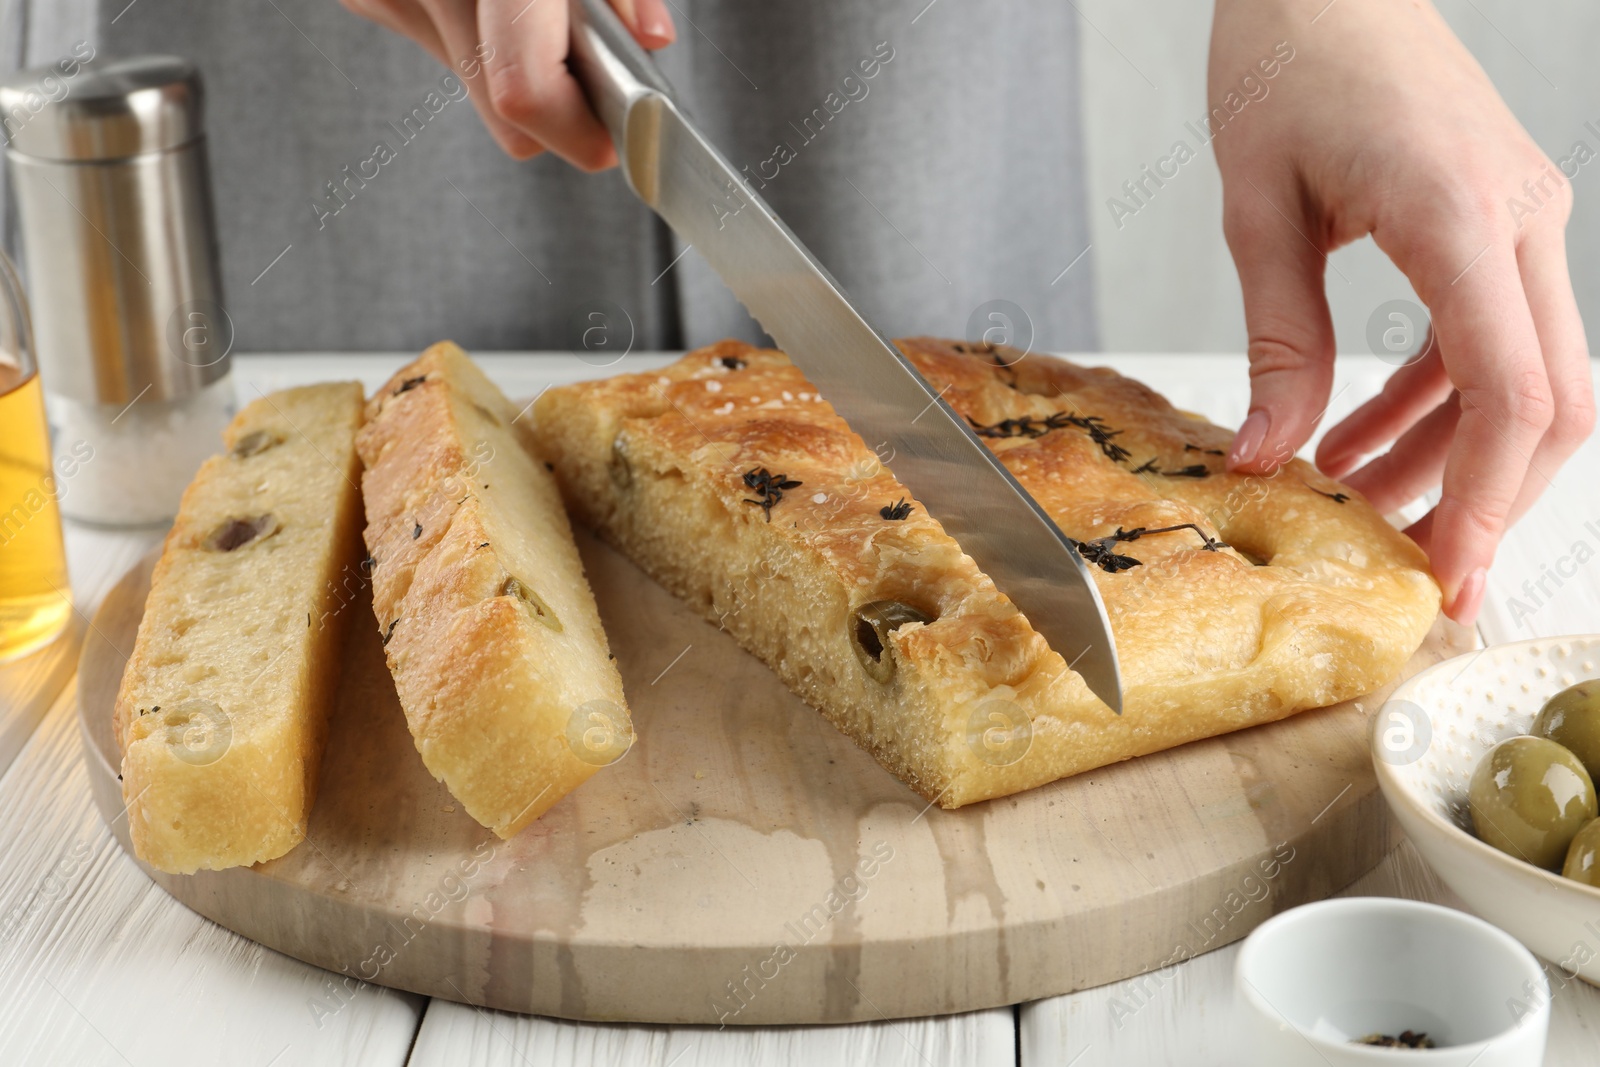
[490, 629]
[973, 704]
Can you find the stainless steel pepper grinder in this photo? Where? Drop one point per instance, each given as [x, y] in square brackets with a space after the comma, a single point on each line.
[108, 165]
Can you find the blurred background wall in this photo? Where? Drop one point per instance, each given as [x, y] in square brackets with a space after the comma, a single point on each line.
[1165, 279]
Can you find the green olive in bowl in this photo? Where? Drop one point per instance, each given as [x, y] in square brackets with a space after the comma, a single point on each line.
[1571, 719]
[1583, 855]
[1529, 797]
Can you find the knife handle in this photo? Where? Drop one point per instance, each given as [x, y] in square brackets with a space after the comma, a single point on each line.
[624, 86]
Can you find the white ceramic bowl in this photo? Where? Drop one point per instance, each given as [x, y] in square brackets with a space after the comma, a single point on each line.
[1312, 980]
[1427, 739]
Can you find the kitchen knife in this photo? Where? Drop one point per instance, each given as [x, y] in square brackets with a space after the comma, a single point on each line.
[676, 171]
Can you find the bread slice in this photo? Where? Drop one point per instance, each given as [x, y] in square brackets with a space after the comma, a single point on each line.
[1234, 599]
[489, 625]
[222, 712]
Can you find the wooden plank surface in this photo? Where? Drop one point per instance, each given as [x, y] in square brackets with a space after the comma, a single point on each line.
[454, 1034]
[99, 966]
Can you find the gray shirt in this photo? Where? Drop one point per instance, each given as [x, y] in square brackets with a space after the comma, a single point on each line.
[361, 205]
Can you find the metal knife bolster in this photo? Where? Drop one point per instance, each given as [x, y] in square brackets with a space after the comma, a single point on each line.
[868, 381]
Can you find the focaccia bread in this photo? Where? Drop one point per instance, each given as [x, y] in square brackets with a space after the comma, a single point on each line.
[222, 712]
[488, 623]
[728, 479]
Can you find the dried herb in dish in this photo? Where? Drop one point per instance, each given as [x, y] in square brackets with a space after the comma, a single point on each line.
[1407, 1039]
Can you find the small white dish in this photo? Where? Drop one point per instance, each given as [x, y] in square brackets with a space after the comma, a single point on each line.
[1313, 980]
[1426, 741]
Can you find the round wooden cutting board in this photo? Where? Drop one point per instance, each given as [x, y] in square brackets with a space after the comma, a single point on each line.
[745, 863]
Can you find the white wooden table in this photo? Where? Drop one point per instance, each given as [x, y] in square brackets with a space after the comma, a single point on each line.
[98, 966]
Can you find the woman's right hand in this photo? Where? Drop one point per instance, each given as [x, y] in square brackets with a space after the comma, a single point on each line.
[511, 55]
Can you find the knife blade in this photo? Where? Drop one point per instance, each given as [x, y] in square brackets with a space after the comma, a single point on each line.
[675, 170]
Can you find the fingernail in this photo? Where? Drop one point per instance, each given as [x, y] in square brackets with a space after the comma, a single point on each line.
[1469, 598]
[1247, 442]
[655, 25]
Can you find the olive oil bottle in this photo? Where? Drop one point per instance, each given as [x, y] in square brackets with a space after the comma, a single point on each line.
[35, 599]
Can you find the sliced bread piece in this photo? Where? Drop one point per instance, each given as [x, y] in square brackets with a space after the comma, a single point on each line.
[222, 712]
[490, 628]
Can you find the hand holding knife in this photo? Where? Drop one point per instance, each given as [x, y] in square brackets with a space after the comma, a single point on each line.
[671, 166]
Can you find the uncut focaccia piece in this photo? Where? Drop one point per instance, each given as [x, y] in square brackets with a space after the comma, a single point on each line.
[222, 712]
[728, 479]
[489, 625]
